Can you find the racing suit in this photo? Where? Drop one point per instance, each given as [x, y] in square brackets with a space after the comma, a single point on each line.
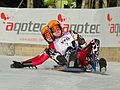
[56, 51]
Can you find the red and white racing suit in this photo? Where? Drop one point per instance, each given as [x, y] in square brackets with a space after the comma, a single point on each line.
[60, 45]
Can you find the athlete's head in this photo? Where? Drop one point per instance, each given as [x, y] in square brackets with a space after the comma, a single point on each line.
[55, 28]
[45, 31]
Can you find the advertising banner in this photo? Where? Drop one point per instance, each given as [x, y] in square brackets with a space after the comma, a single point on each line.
[24, 25]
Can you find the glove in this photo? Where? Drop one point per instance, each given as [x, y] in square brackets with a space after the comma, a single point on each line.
[16, 65]
[50, 51]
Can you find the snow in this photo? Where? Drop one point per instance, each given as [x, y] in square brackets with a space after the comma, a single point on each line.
[41, 79]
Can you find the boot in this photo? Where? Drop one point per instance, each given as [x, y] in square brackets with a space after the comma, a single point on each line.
[16, 65]
[28, 64]
[21, 64]
[103, 65]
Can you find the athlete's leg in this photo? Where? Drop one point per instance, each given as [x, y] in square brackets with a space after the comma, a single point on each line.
[33, 62]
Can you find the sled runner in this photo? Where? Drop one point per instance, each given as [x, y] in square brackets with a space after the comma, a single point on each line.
[101, 66]
[70, 69]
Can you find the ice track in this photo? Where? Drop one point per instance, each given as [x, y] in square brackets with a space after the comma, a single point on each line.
[41, 79]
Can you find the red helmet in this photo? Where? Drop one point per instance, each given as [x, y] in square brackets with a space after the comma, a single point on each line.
[55, 28]
[46, 32]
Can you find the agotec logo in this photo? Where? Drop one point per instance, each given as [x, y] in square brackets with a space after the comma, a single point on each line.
[85, 28]
[20, 27]
[34, 27]
[114, 28]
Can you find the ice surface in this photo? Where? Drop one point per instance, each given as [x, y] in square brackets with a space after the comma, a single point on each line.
[41, 79]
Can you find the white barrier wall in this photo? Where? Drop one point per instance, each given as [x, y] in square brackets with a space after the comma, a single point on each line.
[24, 25]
